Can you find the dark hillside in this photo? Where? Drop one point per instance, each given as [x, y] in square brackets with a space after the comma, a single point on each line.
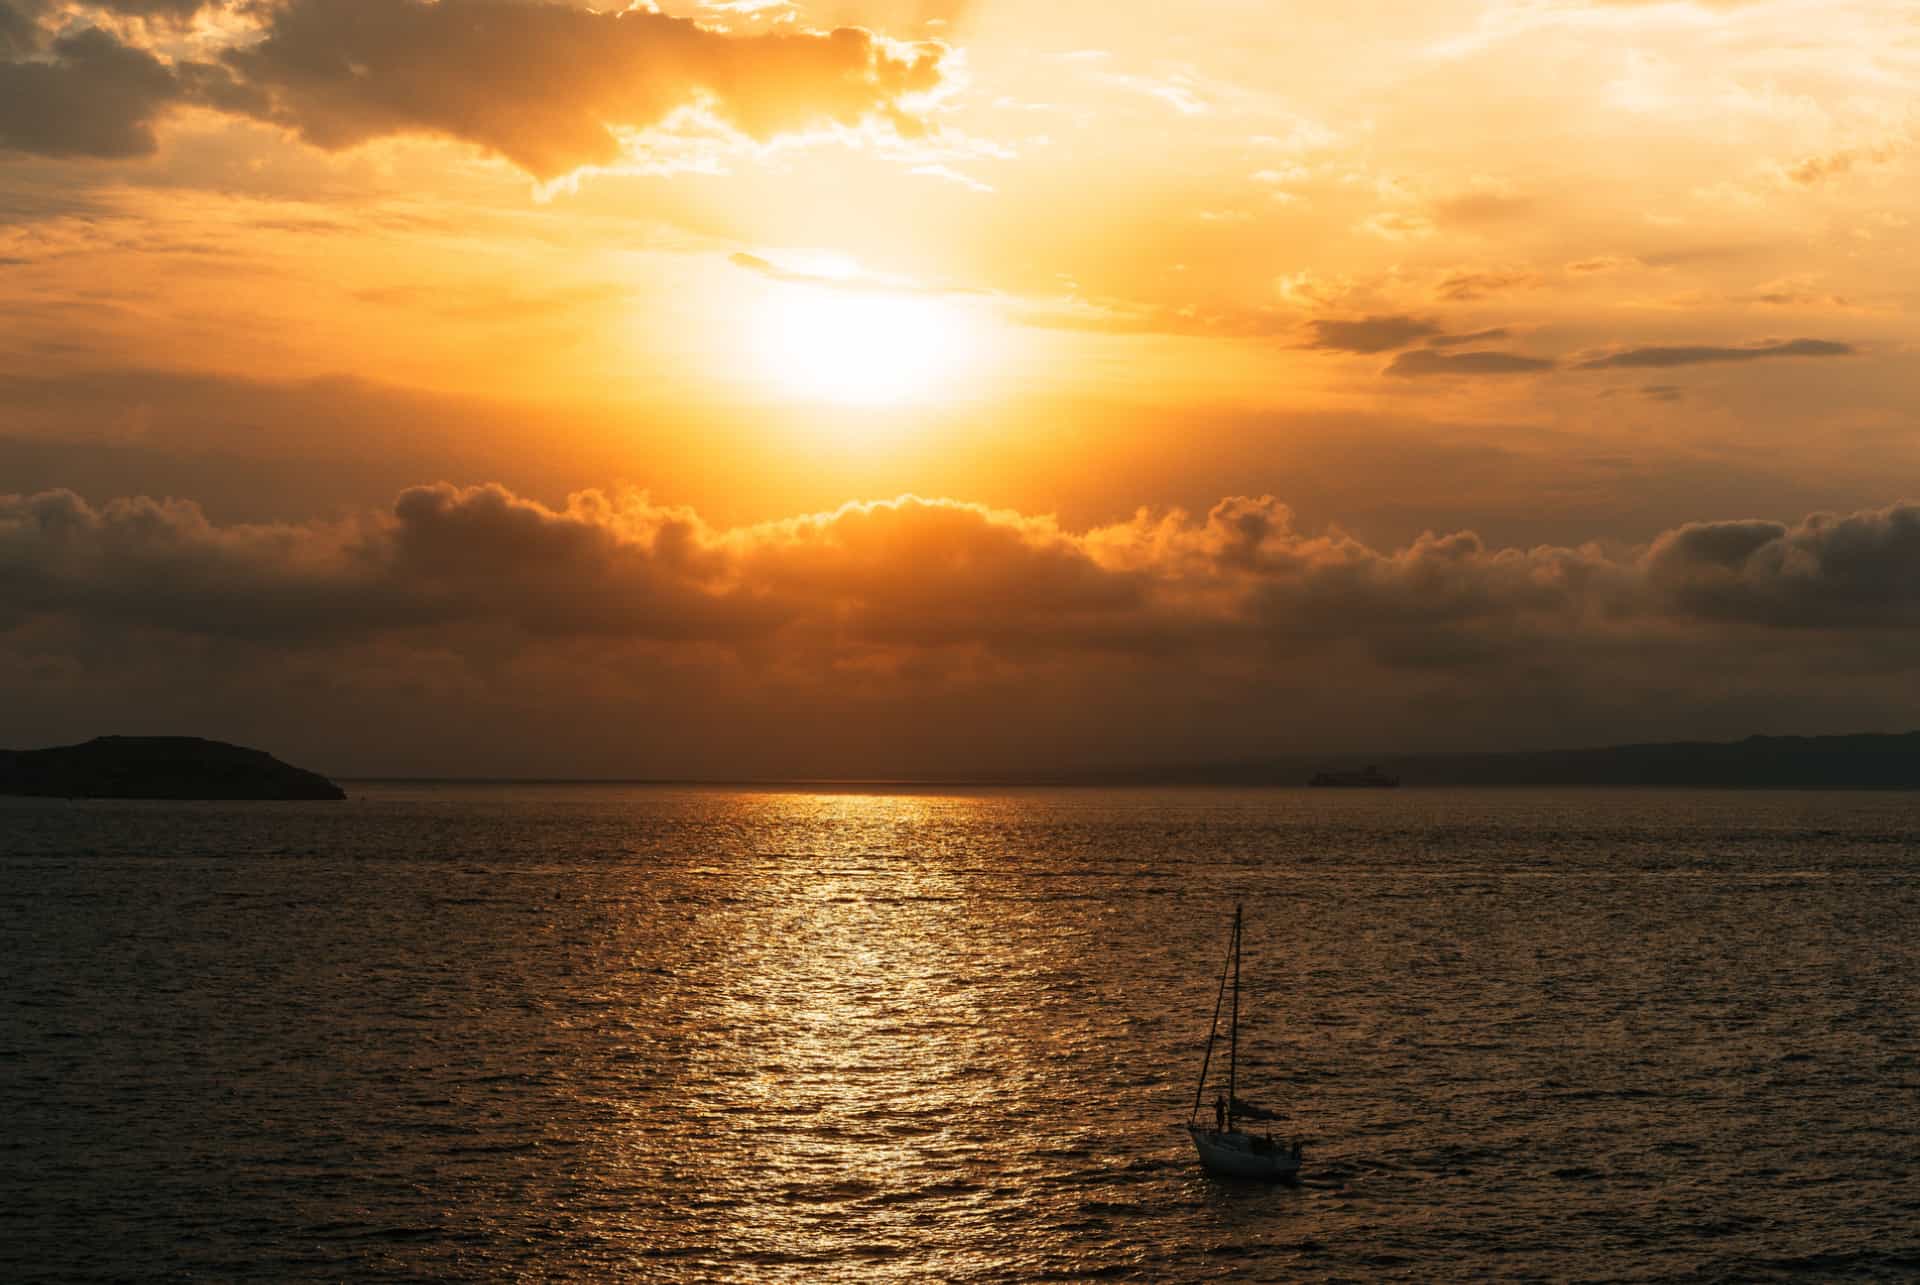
[158, 767]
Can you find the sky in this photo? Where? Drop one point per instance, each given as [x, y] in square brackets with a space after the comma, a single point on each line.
[909, 388]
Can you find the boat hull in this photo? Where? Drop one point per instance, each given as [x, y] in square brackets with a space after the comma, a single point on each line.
[1241, 1155]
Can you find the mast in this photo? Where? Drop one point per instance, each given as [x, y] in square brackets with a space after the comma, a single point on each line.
[1233, 1046]
[1213, 1033]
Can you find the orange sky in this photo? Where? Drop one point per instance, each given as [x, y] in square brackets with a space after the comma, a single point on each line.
[1450, 373]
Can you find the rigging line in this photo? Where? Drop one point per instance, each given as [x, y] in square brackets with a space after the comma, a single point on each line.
[1233, 1055]
[1213, 1030]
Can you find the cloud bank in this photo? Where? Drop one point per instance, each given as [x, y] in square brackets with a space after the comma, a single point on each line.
[89, 95]
[550, 87]
[946, 632]
[1702, 354]
[1425, 361]
[1369, 334]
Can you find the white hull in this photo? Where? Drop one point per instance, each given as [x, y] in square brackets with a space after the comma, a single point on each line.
[1241, 1155]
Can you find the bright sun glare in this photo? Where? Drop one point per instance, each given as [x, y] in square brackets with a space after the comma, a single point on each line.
[860, 348]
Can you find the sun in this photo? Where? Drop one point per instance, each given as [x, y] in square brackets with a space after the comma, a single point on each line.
[861, 347]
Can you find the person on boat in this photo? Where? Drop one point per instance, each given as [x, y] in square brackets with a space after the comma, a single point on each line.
[1220, 1113]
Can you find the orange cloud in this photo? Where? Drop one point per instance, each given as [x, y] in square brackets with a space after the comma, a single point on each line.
[907, 571]
[550, 86]
[1425, 361]
[939, 623]
[90, 96]
[1700, 354]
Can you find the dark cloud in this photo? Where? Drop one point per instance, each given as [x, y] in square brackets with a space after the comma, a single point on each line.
[93, 96]
[19, 33]
[1424, 361]
[1694, 355]
[1473, 337]
[1661, 392]
[1856, 570]
[86, 93]
[171, 11]
[178, 10]
[550, 86]
[600, 566]
[1792, 294]
[24, 24]
[947, 626]
[1370, 334]
[1389, 333]
[909, 571]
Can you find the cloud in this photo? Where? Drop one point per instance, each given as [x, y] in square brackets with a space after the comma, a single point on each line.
[599, 565]
[951, 175]
[1694, 355]
[551, 87]
[1399, 225]
[1472, 337]
[88, 94]
[914, 632]
[1795, 292]
[25, 24]
[1464, 287]
[1369, 334]
[845, 276]
[923, 572]
[1812, 170]
[1481, 204]
[774, 272]
[1422, 362]
[1602, 263]
[1378, 334]
[19, 33]
[93, 96]
[1132, 317]
[1854, 570]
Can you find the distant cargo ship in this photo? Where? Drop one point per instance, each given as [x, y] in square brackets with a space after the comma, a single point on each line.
[1371, 779]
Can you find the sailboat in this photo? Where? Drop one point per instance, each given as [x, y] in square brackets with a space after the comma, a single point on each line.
[1227, 1149]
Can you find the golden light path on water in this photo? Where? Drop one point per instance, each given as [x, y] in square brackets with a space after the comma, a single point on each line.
[862, 1008]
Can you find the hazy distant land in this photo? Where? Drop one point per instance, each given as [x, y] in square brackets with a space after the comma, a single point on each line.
[1867, 761]
[158, 767]
[185, 767]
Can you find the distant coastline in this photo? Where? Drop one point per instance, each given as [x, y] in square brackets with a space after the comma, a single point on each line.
[192, 768]
[158, 767]
[1866, 761]
[1855, 762]
[1863, 761]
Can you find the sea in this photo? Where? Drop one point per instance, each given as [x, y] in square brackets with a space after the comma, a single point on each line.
[649, 1033]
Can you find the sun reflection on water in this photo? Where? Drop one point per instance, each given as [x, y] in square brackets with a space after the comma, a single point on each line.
[854, 1017]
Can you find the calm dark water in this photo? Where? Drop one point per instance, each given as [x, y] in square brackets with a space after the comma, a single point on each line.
[688, 1035]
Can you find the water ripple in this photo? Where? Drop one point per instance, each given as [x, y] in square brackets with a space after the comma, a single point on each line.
[698, 1035]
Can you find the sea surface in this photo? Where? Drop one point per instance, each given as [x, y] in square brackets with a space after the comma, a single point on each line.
[661, 1034]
